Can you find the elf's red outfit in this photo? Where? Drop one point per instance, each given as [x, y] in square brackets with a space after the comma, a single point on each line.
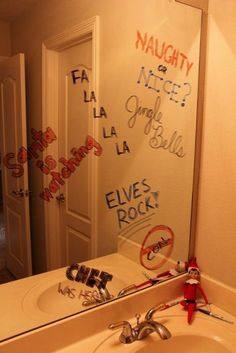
[191, 287]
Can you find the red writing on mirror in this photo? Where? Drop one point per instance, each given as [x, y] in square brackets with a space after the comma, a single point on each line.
[41, 141]
[163, 51]
[69, 166]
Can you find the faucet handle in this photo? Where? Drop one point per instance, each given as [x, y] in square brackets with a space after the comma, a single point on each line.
[119, 324]
[126, 335]
[137, 318]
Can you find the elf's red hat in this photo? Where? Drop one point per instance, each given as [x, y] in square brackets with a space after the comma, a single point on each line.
[193, 265]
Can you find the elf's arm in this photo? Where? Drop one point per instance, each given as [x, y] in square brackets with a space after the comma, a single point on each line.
[203, 294]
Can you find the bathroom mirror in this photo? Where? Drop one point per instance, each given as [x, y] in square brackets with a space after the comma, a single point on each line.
[112, 175]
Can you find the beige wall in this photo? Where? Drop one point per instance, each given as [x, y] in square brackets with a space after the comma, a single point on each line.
[216, 232]
[5, 39]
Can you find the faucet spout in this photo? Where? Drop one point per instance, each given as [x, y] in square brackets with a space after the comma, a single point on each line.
[147, 327]
[163, 332]
[151, 311]
[144, 329]
[141, 330]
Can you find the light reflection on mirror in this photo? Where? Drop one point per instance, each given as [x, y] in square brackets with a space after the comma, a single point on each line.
[111, 186]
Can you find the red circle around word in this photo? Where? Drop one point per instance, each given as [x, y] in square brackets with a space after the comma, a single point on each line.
[158, 245]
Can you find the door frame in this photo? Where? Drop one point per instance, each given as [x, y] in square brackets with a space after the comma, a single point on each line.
[88, 29]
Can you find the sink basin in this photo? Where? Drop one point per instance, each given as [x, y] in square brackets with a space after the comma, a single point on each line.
[204, 335]
[182, 343]
[185, 344]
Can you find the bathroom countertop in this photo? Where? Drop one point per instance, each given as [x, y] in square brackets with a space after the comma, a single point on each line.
[89, 333]
[82, 326]
[175, 319]
[90, 324]
[16, 317]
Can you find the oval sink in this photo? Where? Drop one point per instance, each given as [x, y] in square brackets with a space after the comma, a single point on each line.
[185, 344]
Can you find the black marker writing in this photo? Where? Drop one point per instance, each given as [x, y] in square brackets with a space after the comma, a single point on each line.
[173, 145]
[133, 106]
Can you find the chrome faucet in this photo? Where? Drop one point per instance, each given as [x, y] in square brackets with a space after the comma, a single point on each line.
[151, 311]
[102, 296]
[126, 290]
[141, 330]
[103, 291]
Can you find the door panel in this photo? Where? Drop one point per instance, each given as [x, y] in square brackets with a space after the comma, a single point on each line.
[15, 244]
[78, 246]
[75, 124]
[14, 174]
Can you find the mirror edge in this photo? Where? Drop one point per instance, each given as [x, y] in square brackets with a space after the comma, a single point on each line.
[203, 6]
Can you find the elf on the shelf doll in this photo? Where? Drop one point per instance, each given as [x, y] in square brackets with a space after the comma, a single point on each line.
[180, 267]
[191, 288]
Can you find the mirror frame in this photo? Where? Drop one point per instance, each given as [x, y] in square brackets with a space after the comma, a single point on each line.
[203, 6]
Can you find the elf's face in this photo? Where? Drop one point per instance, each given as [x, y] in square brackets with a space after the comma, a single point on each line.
[194, 274]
